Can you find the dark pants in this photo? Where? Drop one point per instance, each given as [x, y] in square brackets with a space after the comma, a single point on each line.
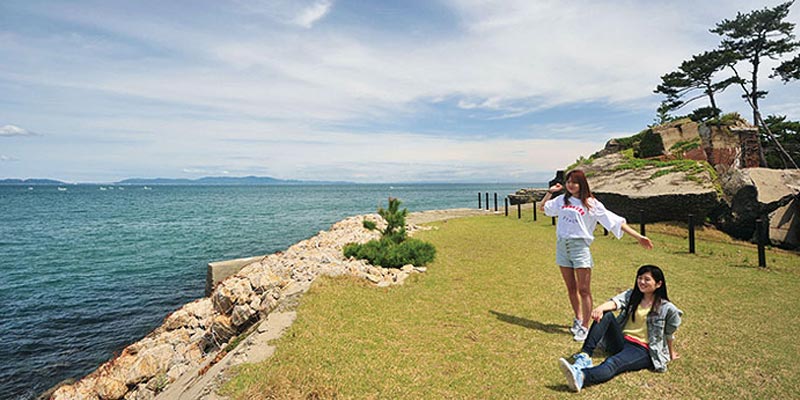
[625, 356]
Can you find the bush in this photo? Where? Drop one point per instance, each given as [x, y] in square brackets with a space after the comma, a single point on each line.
[389, 254]
[393, 249]
[651, 145]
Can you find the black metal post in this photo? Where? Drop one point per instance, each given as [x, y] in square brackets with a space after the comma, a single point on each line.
[641, 223]
[553, 222]
[534, 210]
[506, 201]
[691, 233]
[760, 236]
[495, 201]
[519, 210]
[479, 201]
[487, 201]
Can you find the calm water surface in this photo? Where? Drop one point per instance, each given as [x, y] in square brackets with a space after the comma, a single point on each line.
[88, 271]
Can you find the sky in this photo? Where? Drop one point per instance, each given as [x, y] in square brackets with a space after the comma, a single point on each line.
[345, 90]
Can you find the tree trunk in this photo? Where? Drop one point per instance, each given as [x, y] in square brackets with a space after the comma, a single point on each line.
[762, 160]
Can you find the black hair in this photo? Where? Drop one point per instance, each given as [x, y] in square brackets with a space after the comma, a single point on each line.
[637, 295]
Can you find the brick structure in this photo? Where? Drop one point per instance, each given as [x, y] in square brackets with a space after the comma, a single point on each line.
[748, 137]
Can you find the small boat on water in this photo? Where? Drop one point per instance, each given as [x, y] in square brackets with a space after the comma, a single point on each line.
[146, 188]
[30, 188]
[62, 189]
[102, 188]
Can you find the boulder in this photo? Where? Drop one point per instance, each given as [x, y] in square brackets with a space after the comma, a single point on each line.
[752, 193]
[784, 225]
[662, 196]
[524, 196]
[110, 388]
[230, 292]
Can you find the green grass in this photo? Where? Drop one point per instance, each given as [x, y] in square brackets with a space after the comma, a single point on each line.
[489, 320]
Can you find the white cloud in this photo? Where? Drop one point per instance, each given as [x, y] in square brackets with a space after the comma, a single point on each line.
[7, 158]
[233, 85]
[308, 17]
[13, 130]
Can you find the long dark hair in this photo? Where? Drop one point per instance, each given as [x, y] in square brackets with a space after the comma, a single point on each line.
[585, 193]
[637, 295]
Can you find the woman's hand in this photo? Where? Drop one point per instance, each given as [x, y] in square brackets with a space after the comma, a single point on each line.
[646, 242]
[597, 314]
[555, 188]
[674, 355]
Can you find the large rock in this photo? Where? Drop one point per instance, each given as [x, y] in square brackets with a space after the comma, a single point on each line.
[753, 193]
[524, 196]
[784, 225]
[662, 196]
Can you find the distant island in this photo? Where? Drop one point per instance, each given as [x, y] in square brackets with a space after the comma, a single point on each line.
[209, 180]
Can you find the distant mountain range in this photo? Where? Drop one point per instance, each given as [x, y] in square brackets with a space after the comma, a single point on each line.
[209, 180]
[30, 182]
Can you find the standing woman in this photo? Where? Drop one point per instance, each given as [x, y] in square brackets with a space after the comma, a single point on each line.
[578, 213]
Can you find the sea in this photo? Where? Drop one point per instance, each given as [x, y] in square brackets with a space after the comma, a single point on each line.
[90, 269]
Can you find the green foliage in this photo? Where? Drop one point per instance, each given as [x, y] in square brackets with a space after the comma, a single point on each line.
[691, 168]
[388, 254]
[630, 141]
[787, 133]
[394, 249]
[703, 114]
[694, 75]
[758, 34]
[580, 161]
[395, 221]
[684, 146]
[651, 144]
[726, 119]
[370, 225]
[789, 70]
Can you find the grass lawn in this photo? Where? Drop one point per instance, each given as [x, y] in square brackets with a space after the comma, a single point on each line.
[489, 319]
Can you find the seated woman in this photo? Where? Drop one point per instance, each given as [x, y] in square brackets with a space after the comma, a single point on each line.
[640, 337]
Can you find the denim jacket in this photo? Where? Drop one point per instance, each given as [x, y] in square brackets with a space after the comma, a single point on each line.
[660, 327]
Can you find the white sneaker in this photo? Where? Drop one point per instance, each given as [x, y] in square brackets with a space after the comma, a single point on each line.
[576, 323]
[581, 334]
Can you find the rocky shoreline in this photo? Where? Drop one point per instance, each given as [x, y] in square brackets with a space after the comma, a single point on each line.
[187, 356]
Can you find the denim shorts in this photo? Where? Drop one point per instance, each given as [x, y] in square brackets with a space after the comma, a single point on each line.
[573, 253]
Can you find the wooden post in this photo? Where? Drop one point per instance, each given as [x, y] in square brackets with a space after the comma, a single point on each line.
[691, 233]
[760, 237]
[495, 201]
[519, 210]
[479, 201]
[641, 223]
[506, 201]
[487, 201]
[534, 210]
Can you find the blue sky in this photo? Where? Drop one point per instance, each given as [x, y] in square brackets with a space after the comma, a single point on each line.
[364, 91]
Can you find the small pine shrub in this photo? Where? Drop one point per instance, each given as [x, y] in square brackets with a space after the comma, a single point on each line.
[394, 249]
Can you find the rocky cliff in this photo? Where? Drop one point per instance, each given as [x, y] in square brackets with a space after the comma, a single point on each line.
[711, 171]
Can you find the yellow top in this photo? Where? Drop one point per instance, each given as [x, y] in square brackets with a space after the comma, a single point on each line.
[638, 329]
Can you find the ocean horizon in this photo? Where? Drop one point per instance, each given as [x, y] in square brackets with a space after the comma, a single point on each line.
[94, 268]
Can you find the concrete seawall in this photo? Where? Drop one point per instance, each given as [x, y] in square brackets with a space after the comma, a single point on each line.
[217, 271]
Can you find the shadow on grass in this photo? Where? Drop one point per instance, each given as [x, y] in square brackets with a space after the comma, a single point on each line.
[527, 323]
[559, 388]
